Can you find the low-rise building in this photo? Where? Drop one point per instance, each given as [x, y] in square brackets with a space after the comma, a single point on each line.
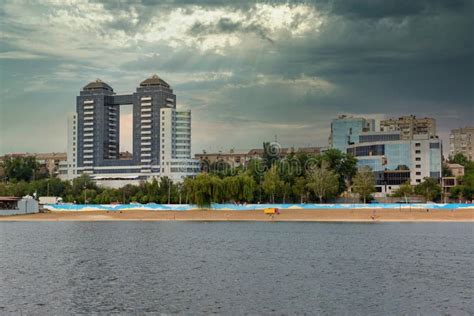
[236, 158]
[16, 206]
[457, 170]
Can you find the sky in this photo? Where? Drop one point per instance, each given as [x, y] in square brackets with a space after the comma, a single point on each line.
[247, 70]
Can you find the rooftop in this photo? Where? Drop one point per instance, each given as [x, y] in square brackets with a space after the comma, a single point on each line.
[154, 81]
[98, 84]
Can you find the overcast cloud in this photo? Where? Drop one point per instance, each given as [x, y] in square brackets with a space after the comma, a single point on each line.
[248, 71]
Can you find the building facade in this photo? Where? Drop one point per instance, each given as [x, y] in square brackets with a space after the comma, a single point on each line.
[395, 161]
[345, 130]
[409, 126]
[461, 140]
[237, 158]
[403, 150]
[161, 135]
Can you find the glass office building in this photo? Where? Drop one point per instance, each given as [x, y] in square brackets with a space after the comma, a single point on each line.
[395, 161]
[345, 131]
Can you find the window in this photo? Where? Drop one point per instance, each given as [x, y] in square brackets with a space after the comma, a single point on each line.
[418, 166]
[418, 159]
[418, 180]
[417, 151]
[418, 173]
[417, 144]
[162, 129]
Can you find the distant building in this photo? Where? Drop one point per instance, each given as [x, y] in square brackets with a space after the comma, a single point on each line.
[409, 126]
[345, 131]
[461, 140]
[49, 161]
[161, 135]
[236, 158]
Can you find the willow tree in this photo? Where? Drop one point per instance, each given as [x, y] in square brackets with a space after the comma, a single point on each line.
[202, 190]
[323, 182]
[364, 183]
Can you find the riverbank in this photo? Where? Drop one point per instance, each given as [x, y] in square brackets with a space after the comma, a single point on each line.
[311, 215]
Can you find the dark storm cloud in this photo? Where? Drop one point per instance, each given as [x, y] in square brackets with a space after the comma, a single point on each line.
[392, 57]
[226, 26]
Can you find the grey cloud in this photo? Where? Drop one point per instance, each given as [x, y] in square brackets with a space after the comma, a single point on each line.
[226, 26]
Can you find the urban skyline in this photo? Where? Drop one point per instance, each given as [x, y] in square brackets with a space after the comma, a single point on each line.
[234, 65]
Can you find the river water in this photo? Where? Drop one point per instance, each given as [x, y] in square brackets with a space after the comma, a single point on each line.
[236, 268]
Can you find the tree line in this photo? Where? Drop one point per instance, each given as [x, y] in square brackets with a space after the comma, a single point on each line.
[296, 178]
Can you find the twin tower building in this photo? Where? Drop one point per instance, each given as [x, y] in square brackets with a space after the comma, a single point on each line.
[161, 135]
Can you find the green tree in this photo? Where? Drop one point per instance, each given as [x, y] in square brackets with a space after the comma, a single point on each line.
[300, 188]
[202, 190]
[344, 165]
[20, 168]
[364, 183]
[429, 189]
[405, 190]
[445, 171]
[272, 183]
[459, 158]
[323, 182]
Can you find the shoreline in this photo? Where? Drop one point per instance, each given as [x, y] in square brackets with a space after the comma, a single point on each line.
[286, 215]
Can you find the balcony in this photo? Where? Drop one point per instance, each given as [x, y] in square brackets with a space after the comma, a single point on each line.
[146, 138]
[88, 107]
[145, 132]
[146, 144]
[143, 149]
[88, 101]
[146, 126]
[145, 155]
[88, 129]
[146, 115]
[145, 99]
[145, 104]
[146, 110]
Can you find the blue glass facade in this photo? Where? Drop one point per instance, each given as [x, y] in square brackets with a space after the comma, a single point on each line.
[345, 131]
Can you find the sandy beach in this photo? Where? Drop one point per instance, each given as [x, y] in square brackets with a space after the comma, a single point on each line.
[315, 215]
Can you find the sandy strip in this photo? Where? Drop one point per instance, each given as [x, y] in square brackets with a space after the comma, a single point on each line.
[320, 215]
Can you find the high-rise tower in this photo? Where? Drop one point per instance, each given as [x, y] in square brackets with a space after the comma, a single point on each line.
[161, 134]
